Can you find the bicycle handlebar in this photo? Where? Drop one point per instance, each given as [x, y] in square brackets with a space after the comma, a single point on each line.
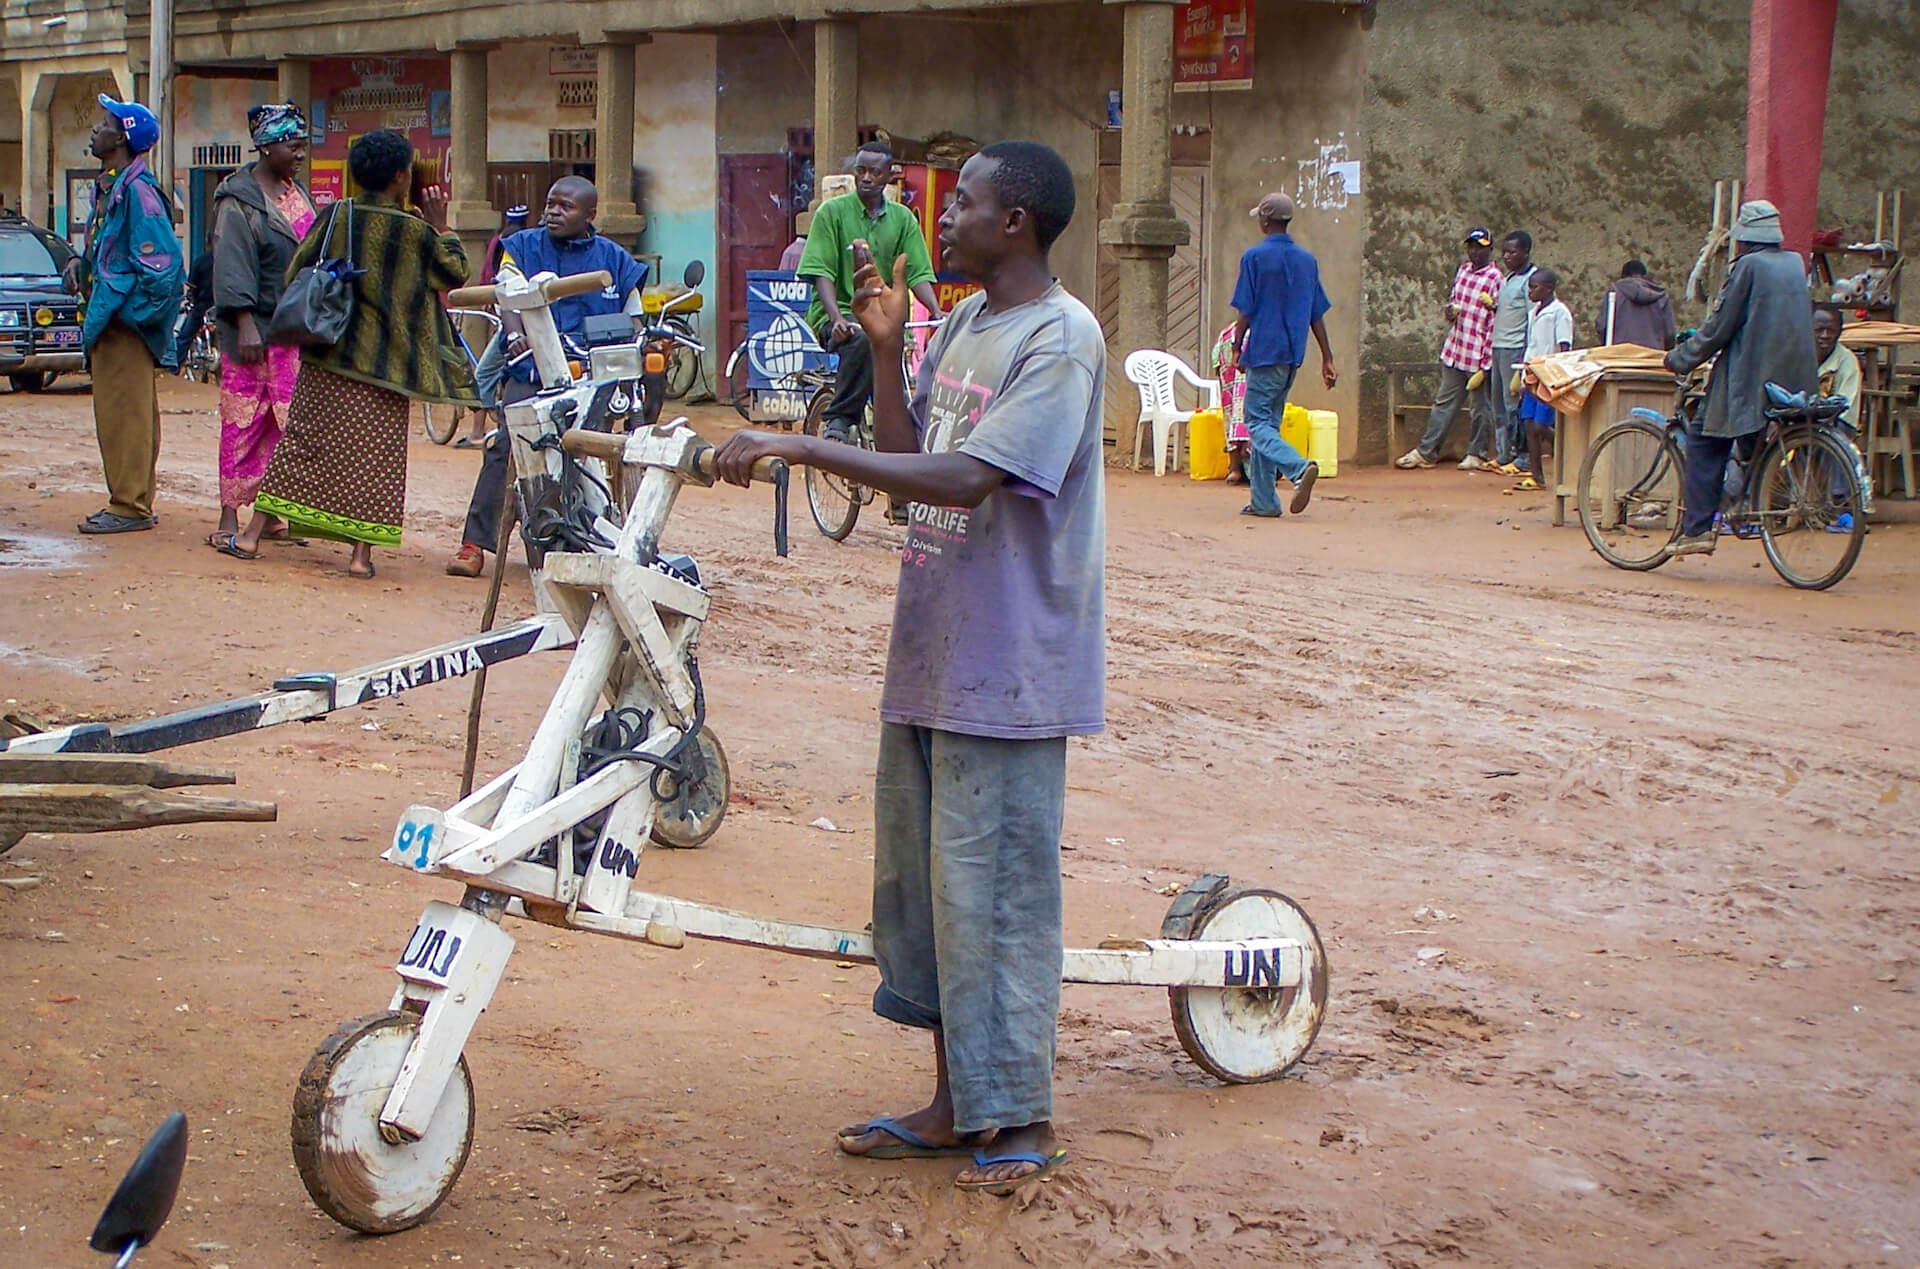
[556, 289]
[612, 449]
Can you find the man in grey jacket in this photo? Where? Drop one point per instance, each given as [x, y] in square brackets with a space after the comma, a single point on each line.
[1635, 310]
[1762, 328]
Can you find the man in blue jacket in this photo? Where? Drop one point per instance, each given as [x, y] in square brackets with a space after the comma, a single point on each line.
[129, 280]
[564, 244]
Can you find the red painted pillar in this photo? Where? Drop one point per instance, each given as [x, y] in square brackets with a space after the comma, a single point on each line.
[1789, 60]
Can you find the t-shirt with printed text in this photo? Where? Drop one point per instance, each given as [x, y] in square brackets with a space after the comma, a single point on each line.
[999, 627]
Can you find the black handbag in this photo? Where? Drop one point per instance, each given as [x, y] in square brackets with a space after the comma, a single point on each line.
[317, 305]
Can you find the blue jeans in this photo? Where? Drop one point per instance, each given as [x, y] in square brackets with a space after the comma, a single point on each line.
[487, 373]
[1509, 434]
[1267, 388]
[967, 910]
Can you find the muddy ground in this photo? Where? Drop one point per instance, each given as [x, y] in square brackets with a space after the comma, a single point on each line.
[1616, 874]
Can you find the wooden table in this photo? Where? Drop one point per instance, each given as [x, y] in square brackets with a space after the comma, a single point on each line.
[1889, 413]
[1617, 392]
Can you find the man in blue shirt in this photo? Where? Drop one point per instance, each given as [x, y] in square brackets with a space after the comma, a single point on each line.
[1278, 299]
[565, 244]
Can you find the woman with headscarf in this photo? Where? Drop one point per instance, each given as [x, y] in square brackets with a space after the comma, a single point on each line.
[341, 469]
[261, 213]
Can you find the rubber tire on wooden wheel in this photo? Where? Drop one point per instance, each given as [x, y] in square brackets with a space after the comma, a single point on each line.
[1244, 1035]
[691, 816]
[351, 1172]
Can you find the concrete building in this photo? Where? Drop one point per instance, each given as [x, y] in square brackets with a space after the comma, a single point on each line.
[712, 98]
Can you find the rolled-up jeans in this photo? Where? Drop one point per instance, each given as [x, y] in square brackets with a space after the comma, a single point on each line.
[967, 926]
[1269, 455]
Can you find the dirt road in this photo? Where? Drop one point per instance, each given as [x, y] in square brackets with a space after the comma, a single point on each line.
[1660, 829]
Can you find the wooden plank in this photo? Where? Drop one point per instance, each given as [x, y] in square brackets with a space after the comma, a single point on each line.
[106, 808]
[79, 768]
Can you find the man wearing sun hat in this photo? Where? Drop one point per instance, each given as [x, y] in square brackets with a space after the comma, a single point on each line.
[1761, 328]
[1278, 299]
[129, 280]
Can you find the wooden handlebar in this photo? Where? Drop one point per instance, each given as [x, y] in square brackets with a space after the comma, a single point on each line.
[605, 446]
[558, 289]
[768, 468]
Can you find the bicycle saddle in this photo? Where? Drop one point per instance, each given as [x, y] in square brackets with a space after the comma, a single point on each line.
[1782, 404]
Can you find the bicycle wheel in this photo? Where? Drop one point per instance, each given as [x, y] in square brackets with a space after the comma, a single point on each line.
[1810, 507]
[739, 395]
[834, 500]
[1629, 495]
[442, 421]
[683, 364]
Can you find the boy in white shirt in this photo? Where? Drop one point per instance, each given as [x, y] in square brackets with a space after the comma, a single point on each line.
[1549, 331]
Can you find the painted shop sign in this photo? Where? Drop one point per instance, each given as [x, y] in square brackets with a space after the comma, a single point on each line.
[1213, 45]
[570, 59]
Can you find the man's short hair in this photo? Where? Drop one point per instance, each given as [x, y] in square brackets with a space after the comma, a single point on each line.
[880, 148]
[377, 159]
[1839, 314]
[1035, 179]
[1522, 237]
[1634, 269]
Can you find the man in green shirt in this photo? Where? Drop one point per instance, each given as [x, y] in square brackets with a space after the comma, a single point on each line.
[890, 230]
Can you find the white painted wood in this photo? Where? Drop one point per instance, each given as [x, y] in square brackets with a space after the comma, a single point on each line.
[648, 638]
[567, 713]
[454, 990]
[617, 853]
[595, 571]
[1254, 1030]
[519, 837]
[480, 806]
[1178, 963]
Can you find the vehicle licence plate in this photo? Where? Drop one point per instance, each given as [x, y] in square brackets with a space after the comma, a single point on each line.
[63, 337]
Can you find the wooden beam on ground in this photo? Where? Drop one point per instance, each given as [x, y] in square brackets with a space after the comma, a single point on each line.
[106, 808]
[80, 768]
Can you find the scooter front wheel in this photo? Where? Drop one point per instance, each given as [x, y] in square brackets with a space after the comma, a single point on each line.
[353, 1173]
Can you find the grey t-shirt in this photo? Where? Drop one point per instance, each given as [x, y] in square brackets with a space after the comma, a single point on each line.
[999, 628]
[1512, 311]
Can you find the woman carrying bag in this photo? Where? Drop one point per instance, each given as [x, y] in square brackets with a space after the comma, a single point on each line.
[261, 213]
[341, 469]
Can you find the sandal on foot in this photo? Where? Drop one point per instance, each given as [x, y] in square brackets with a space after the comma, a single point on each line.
[226, 544]
[907, 1143]
[1043, 1164]
[284, 538]
[358, 576]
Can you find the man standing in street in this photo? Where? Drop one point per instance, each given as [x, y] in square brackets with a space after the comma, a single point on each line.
[1278, 299]
[1761, 328]
[1466, 355]
[564, 245]
[1635, 310]
[129, 280]
[998, 656]
[889, 229]
[1512, 317]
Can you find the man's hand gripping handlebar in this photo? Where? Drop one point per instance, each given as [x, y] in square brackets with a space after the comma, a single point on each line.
[701, 466]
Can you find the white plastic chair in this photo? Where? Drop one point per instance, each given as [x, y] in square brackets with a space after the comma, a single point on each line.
[1152, 372]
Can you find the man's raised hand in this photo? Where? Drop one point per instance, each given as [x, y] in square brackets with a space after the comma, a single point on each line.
[881, 309]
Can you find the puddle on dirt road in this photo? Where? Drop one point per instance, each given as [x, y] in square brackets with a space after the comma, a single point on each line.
[39, 551]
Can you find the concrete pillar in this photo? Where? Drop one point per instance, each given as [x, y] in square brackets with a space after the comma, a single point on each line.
[1143, 230]
[36, 145]
[471, 209]
[1789, 61]
[613, 142]
[836, 95]
[296, 82]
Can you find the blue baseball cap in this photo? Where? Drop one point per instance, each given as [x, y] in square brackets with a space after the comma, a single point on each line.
[142, 129]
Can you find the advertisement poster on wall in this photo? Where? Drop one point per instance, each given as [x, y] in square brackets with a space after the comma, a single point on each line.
[1213, 45]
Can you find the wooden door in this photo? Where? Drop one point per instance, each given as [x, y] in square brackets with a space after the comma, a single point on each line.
[1188, 335]
[755, 226]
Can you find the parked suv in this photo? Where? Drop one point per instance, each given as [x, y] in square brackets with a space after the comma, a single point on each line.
[39, 321]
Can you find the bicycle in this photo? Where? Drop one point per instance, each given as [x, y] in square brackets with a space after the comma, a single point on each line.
[834, 500]
[443, 421]
[1802, 490]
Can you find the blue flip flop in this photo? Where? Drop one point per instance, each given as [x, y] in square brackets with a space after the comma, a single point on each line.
[1043, 1164]
[911, 1144]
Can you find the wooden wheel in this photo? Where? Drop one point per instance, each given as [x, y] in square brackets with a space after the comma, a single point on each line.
[1243, 1035]
[351, 1170]
[691, 813]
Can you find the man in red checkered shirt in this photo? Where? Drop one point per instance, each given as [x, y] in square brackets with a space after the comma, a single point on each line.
[1467, 353]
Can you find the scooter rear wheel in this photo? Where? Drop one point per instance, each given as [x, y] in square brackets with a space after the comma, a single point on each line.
[351, 1171]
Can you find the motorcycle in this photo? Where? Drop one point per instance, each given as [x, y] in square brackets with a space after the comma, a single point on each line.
[144, 1198]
